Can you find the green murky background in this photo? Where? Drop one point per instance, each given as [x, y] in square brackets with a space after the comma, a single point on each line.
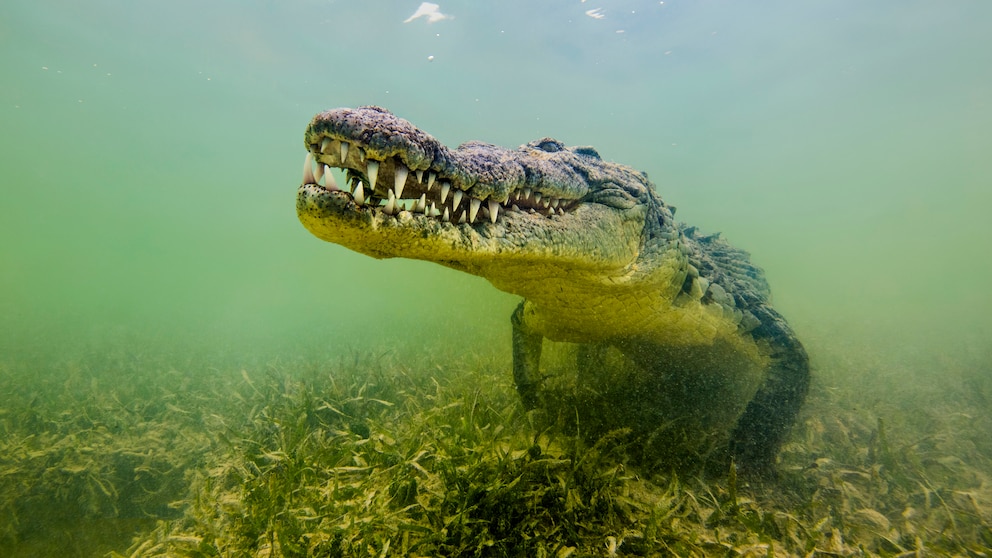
[151, 152]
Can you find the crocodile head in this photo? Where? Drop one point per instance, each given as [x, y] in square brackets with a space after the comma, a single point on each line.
[544, 221]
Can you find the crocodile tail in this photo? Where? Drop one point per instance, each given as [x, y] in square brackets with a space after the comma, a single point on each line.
[764, 425]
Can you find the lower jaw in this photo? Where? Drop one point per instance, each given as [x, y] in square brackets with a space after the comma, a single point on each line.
[334, 217]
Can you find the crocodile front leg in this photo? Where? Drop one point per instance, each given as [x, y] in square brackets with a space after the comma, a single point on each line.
[526, 357]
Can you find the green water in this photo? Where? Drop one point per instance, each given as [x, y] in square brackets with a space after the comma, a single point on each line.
[150, 153]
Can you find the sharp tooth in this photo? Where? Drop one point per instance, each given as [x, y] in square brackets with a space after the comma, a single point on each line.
[359, 193]
[514, 207]
[400, 178]
[456, 199]
[420, 176]
[493, 210]
[432, 211]
[445, 187]
[430, 180]
[323, 144]
[525, 194]
[537, 197]
[329, 181]
[555, 202]
[308, 170]
[422, 203]
[473, 209]
[461, 220]
[344, 151]
[446, 216]
[391, 205]
[319, 172]
[373, 172]
[561, 211]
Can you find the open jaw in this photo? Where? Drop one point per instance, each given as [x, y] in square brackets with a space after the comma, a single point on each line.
[391, 186]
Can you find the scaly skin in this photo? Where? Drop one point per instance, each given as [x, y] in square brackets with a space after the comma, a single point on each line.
[589, 245]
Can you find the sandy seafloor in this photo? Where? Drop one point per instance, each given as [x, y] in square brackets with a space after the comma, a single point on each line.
[184, 370]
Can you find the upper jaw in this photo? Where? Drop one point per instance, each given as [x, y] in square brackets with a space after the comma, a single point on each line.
[391, 166]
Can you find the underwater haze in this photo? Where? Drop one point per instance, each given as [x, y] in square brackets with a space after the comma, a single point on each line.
[151, 153]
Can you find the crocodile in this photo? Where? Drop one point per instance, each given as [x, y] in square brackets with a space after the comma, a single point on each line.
[592, 249]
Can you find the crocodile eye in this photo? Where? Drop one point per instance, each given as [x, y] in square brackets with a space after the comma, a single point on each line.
[611, 195]
[587, 151]
[550, 146]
